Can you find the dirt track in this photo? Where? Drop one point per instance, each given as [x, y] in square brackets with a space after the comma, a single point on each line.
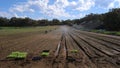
[94, 50]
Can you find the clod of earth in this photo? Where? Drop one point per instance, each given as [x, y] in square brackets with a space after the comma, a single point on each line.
[70, 59]
[36, 58]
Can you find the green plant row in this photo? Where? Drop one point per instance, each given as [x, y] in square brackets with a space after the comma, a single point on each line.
[17, 55]
[107, 32]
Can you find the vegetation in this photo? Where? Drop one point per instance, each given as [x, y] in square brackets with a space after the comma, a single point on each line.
[112, 20]
[18, 55]
[107, 32]
[108, 21]
[16, 30]
[74, 51]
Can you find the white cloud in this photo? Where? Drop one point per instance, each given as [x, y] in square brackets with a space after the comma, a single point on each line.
[85, 5]
[55, 10]
[39, 18]
[80, 15]
[22, 7]
[18, 16]
[73, 3]
[102, 4]
[9, 15]
[107, 4]
[5, 14]
[59, 8]
[113, 4]
[62, 3]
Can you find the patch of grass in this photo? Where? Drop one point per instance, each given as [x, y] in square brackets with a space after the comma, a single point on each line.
[107, 32]
[118, 33]
[16, 30]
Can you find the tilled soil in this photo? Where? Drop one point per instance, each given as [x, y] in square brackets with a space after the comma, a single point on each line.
[93, 50]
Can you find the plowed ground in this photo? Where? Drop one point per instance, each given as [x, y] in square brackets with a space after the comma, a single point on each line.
[93, 50]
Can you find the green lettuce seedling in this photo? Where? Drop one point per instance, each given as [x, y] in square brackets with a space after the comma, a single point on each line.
[22, 55]
[45, 54]
[13, 55]
[74, 51]
[17, 55]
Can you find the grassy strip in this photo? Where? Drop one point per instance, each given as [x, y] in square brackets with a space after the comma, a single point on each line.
[15, 30]
[107, 32]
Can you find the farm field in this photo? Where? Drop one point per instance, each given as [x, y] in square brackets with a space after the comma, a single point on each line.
[17, 30]
[68, 48]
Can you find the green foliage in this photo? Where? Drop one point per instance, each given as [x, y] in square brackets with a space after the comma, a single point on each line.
[118, 33]
[16, 30]
[112, 20]
[107, 32]
[74, 51]
[45, 54]
[17, 55]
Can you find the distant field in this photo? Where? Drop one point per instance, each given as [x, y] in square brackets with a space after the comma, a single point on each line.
[16, 30]
[107, 32]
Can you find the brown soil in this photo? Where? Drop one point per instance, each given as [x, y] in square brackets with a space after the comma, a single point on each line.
[94, 50]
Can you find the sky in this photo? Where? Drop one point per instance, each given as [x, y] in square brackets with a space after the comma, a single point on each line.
[58, 9]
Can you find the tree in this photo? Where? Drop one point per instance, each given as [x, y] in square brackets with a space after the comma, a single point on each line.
[4, 21]
[112, 20]
[55, 22]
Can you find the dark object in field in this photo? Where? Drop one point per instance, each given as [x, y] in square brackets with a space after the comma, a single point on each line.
[50, 30]
[70, 59]
[17, 59]
[46, 32]
[45, 51]
[118, 62]
[36, 58]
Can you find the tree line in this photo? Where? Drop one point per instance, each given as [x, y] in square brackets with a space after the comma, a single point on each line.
[110, 21]
[21, 22]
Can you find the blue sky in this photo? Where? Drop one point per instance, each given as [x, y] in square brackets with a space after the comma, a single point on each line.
[60, 9]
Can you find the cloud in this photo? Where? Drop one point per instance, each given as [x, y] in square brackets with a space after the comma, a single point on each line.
[107, 4]
[55, 10]
[5, 14]
[22, 7]
[73, 3]
[18, 16]
[60, 8]
[114, 4]
[85, 5]
[102, 4]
